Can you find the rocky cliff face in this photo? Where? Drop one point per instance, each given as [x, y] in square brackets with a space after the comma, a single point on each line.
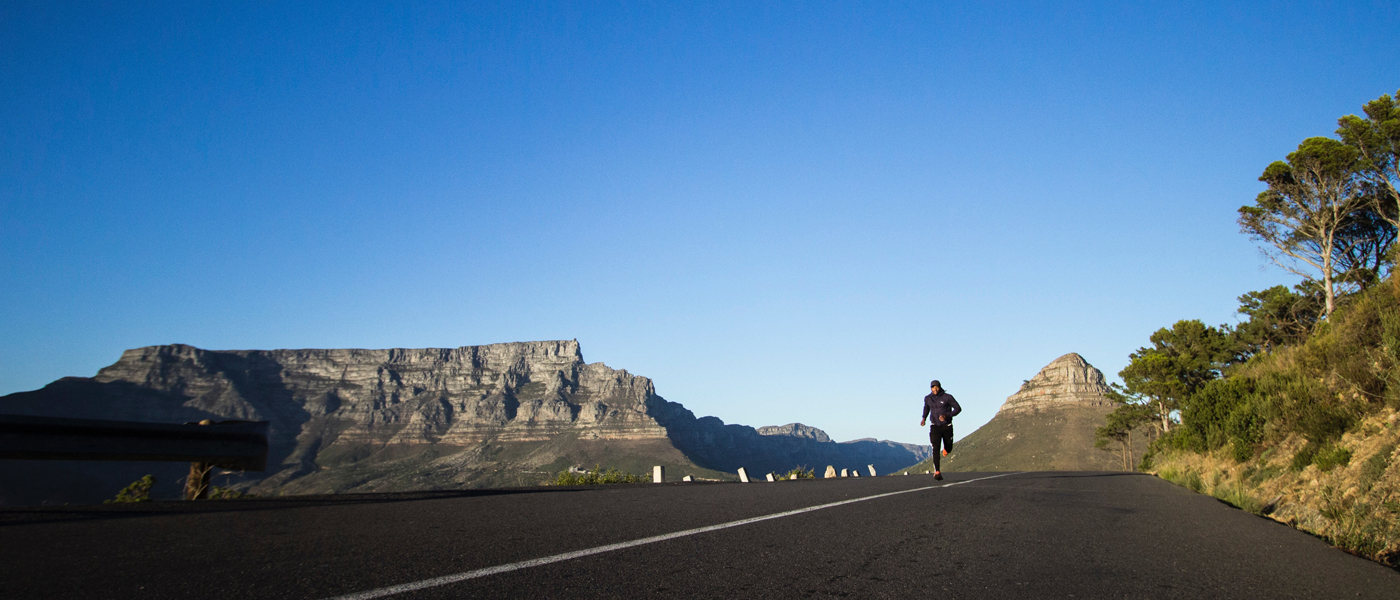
[796, 430]
[364, 420]
[1067, 381]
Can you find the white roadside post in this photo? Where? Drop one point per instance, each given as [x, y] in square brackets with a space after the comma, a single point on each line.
[830, 472]
[770, 477]
[687, 478]
[743, 475]
[844, 473]
[872, 471]
[658, 474]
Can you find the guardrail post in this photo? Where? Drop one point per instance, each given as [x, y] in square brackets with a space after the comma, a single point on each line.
[844, 474]
[872, 471]
[770, 477]
[830, 472]
[743, 475]
[658, 474]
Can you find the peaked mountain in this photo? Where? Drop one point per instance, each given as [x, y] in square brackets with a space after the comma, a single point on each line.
[1047, 425]
[346, 420]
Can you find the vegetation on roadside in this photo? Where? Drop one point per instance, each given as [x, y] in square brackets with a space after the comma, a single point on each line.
[800, 472]
[1292, 413]
[137, 491]
[598, 476]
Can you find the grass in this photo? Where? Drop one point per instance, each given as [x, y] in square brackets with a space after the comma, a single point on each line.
[1362, 528]
[1374, 467]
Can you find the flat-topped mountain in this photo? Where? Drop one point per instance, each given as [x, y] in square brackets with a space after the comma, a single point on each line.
[412, 419]
[1047, 425]
[796, 430]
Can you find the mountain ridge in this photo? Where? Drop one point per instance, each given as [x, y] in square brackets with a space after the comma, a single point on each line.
[473, 416]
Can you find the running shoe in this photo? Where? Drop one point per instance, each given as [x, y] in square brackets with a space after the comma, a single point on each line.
[938, 475]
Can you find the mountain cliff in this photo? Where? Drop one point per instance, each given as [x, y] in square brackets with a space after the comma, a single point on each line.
[399, 419]
[1047, 425]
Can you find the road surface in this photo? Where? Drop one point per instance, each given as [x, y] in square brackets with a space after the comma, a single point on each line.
[973, 535]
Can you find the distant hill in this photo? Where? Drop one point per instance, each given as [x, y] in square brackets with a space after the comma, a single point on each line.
[350, 420]
[1047, 425]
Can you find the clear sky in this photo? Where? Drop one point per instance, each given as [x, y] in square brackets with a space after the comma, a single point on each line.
[777, 211]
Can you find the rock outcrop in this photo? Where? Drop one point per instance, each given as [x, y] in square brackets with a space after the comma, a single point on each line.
[796, 430]
[1047, 425]
[402, 419]
[1067, 381]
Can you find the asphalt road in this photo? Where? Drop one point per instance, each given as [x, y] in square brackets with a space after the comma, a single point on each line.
[1029, 535]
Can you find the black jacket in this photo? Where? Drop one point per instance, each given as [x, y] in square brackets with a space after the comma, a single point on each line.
[942, 404]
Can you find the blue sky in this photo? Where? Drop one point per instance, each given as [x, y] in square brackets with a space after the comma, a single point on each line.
[777, 211]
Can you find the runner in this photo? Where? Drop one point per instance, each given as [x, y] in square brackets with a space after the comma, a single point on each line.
[942, 407]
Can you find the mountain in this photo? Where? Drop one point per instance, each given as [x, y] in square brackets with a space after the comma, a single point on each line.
[345, 420]
[1047, 425]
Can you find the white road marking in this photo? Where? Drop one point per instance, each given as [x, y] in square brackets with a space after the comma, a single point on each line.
[525, 564]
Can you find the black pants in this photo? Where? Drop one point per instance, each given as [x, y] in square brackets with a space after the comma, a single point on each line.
[945, 434]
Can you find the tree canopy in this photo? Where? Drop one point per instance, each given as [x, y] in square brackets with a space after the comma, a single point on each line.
[1309, 217]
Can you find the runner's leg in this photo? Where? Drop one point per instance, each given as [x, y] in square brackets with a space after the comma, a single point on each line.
[933, 438]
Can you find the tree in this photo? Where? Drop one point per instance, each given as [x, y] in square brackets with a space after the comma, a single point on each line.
[1179, 362]
[1312, 198]
[1377, 139]
[1278, 317]
[1119, 425]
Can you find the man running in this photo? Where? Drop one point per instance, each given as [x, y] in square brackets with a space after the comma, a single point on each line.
[942, 407]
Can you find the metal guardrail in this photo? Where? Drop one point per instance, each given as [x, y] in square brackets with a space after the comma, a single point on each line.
[233, 445]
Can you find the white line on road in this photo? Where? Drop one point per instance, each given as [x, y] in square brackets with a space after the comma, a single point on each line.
[525, 564]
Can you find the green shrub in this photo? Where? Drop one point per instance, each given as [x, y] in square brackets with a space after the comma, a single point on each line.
[800, 473]
[1207, 417]
[1240, 450]
[598, 476]
[138, 491]
[1330, 457]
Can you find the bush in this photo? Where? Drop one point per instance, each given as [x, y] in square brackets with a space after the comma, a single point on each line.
[599, 477]
[800, 473]
[138, 491]
[1241, 450]
[1209, 416]
[1330, 457]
